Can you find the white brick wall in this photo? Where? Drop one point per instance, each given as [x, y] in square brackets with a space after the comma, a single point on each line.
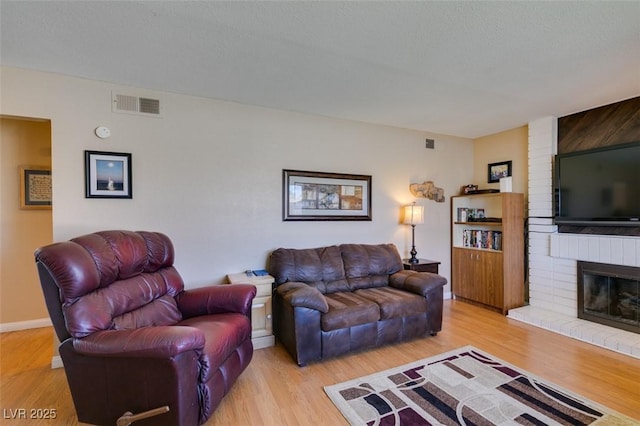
[596, 248]
[542, 148]
[544, 291]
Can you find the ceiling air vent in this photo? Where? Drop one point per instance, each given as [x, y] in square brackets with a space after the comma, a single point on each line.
[135, 105]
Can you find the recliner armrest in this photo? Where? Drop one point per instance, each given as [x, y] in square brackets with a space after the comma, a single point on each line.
[301, 295]
[146, 342]
[216, 299]
[421, 283]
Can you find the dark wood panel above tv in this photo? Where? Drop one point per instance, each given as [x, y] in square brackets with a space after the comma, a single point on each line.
[599, 127]
[609, 125]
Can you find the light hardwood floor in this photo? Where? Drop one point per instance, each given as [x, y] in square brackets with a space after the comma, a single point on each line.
[274, 391]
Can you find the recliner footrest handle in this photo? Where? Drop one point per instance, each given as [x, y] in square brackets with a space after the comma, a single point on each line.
[127, 418]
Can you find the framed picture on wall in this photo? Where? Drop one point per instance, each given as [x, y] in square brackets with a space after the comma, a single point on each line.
[499, 170]
[325, 196]
[35, 187]
[107, 174]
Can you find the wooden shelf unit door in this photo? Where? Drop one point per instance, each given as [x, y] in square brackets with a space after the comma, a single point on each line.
[482, 273]
[492, 277]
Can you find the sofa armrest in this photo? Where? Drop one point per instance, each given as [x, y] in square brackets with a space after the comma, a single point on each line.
[216, 299]
[421, 283]
[146, 342]
[301, 295]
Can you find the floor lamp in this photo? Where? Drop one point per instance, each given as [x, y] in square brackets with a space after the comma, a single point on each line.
[413, 215]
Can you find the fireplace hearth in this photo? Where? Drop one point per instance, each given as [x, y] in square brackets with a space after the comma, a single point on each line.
[609, 295]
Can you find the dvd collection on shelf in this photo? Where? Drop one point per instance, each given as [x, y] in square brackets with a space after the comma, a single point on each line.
[478, 238]
[470, 215]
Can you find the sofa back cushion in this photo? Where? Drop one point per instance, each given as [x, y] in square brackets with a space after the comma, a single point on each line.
[368, 265]
[321, 268]
[114, 280]
[331, 269]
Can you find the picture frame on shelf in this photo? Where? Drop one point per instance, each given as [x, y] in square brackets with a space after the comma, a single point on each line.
[108, 175]
[498, 170]
[35, 188]
[319, 196]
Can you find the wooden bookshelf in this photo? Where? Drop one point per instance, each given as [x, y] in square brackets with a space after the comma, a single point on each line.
[487, 251]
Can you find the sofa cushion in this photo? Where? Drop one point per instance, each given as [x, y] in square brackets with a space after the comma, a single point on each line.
[347, 309]
[321, 268]
[394, 303]
[367, 265]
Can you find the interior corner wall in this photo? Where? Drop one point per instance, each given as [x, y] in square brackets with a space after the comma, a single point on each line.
[23, 143]
[510, 145]
[208, 173]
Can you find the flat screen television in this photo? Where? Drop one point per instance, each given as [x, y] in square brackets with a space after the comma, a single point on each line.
[599, 187]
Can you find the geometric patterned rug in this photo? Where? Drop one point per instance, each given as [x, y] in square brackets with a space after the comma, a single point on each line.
[464, 387]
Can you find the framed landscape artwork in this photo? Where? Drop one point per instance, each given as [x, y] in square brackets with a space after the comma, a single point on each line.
[107, 174]
[325, 196]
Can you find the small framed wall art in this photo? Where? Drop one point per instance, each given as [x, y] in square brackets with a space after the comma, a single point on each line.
[499, 170]
[325, 196]
[35, 188]
[107, 174]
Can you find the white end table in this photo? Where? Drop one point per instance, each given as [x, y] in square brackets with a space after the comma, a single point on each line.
[261, 315]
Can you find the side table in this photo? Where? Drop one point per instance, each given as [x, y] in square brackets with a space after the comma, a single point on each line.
[423, 265]
[261, 315]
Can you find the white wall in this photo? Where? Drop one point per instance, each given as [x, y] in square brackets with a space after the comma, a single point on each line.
[509, 145]
[209, 173]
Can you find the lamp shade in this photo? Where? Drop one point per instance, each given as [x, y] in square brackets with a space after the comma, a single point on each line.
[413, 215]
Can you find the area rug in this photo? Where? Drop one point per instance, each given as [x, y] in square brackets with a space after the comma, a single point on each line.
[464, 387]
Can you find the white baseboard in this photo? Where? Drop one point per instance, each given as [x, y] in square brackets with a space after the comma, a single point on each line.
[25, 325]
[263, 342]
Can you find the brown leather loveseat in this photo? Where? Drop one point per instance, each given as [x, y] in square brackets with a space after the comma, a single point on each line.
[333, 300]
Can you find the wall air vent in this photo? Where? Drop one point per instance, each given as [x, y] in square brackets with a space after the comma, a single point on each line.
[140, 105]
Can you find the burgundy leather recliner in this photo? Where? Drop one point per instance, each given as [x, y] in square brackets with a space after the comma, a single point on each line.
[132, 338]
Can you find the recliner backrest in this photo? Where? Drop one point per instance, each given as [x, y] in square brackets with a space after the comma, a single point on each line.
[112, 280]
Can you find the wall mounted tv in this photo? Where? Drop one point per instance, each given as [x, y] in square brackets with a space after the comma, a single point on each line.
[599, 187]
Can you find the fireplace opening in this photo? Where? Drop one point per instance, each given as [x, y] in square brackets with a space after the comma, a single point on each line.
[609, 295]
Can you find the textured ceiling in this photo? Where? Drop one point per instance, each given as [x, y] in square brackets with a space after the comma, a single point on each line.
[460, 68]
